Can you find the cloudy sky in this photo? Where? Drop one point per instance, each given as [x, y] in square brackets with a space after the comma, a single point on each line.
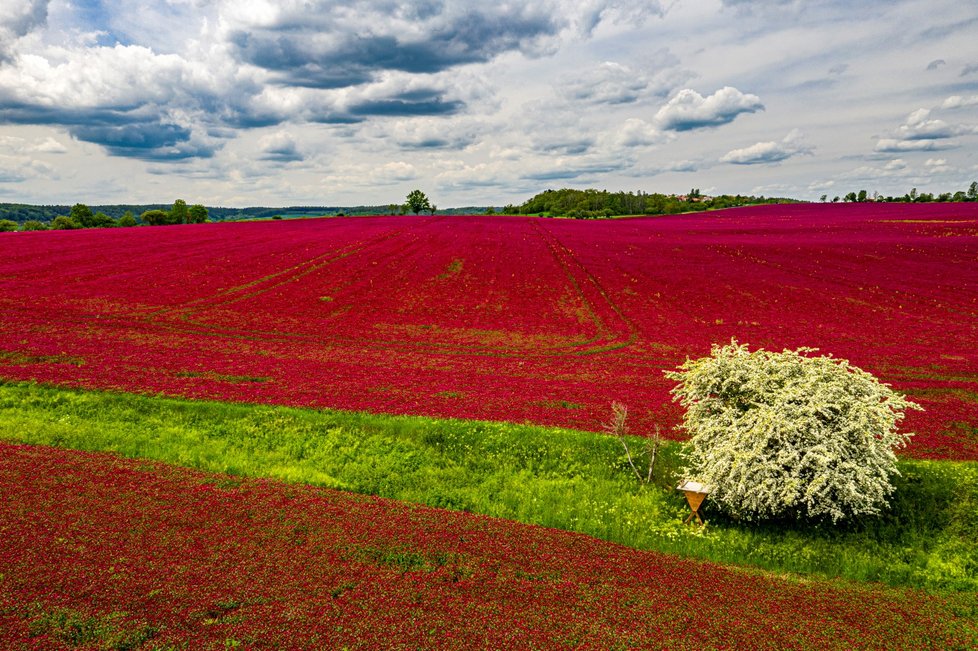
[341, 102]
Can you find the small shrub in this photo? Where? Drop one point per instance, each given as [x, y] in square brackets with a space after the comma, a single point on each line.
[33, 225]
[156, 217]
[789, 435]
[7, 226]
[64, 223]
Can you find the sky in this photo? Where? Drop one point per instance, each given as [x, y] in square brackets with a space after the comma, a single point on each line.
[340, 102]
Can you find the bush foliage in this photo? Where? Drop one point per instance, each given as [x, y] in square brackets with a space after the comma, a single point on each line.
[788, 435]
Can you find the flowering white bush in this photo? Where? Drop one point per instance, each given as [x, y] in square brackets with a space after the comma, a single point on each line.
[789, 435]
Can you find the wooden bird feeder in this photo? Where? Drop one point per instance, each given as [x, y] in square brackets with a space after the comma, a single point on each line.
[695, 494]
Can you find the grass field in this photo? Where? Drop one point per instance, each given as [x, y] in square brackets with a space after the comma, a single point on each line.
[577, 481]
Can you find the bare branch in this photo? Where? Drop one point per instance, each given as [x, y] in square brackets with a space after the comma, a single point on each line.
[618, 427]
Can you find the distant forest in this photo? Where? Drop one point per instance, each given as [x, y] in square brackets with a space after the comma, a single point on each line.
[580, 204]
[564, 203]
[592, 204]
[24, 212]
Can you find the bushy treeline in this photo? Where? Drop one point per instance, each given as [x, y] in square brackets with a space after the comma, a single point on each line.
[590, 204]
[82, 216]
[971, 194]
[22, 213]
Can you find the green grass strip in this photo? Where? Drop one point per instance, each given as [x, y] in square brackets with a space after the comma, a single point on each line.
[578, 481]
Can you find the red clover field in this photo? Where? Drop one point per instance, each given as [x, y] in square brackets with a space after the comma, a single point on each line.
[502, 318]
[103, 552]
[524, 320]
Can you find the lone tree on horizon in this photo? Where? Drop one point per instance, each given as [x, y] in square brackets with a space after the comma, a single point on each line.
[418, 201]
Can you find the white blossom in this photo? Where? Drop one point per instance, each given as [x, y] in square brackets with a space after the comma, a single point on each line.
[788, 434]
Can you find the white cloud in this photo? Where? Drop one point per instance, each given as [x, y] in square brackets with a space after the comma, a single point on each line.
[612, 82]
[920, 126]
[895, 146]
[937, 165]
[922, 132]
[46, 145]
[119, 77]
[689, 110]
[556, 129]
[638, 133]
[219, 96]
[18, 170]
[365, 176]
[211, 68]
[466, 178]
[395, 171]
[769, 151]
[27, 149]
[425, 133]
[957, 101]
[608, 83]
[894, 169]
[17, 19]
[49, 146]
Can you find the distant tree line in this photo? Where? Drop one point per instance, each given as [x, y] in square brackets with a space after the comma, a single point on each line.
[592, 204]
[21, 213]
[180, 213]
[82, 216]
[971, 194]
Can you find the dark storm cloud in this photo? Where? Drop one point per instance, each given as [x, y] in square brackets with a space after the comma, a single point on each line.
[151, 141]
[130, 137]
[280, 148]
[346, 44]
[282, 156]
[126, 133]
[180, 152]
[433, 142]
[298, 64]
[571, 146]
[409, 103]
[430, 143]
[333, 117]
[15, 112]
